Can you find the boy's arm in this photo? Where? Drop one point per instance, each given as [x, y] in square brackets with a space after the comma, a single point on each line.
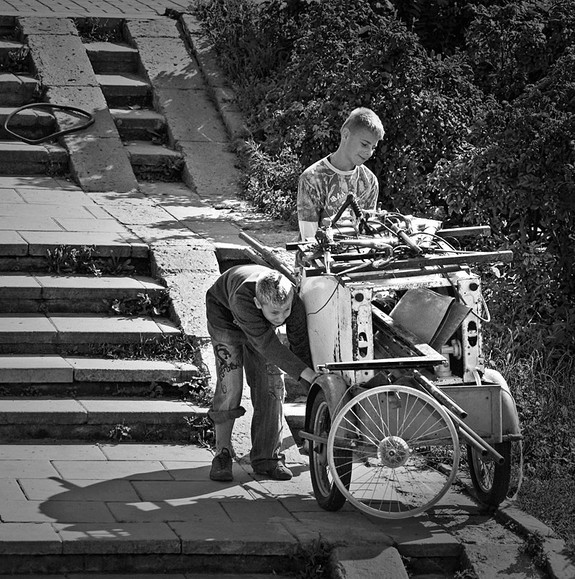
[262, 337]
[308, 207]
[296, 330]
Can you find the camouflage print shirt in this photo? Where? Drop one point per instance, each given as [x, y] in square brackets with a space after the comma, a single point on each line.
[323, 189]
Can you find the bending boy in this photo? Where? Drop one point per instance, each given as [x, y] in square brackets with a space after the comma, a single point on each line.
[324, 186]
[244, 308]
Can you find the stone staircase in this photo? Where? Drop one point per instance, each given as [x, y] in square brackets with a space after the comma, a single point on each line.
[74, 361]
[19, 87]
[129, 96]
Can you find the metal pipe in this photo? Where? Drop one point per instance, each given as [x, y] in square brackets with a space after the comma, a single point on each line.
[439, 395]
[269, 257]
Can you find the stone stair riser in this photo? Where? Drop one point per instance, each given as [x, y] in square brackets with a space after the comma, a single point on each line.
[205, 562]
[32, 160]
[136, 431]
[161, 390]
[17, 89]
[119, 96]
[139, 125]
[69, 301]
[29, 123]
[112, 58]
[19, 261]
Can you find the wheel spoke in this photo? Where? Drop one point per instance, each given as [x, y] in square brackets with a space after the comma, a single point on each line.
[400, 436]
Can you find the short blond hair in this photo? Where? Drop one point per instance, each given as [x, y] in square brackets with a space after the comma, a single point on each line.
[272, 287]
[364, 118]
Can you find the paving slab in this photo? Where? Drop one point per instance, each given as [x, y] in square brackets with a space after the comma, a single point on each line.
[200, 123]
[168, 63]
[16, 469]
[78, 489]
[56, 511]
[215, 186]
[166, 453]
[118, 244]
[156, 28]
[90, 99]
[37, 182]
[10, 490]
[41, 411]
[111, 370]
[12, 244]
[148, 512]
[129, 411]
[112, 470]
[62, 450]
[46, 51]
[29, 369]
[24, 223]
[27, 328]
[34, 211]
[180, 492]
[54, 196]
[19, 285]
[29, 539]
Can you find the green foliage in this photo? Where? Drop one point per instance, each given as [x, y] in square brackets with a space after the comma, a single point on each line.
[66, 259]
[313, 560]
[120, 432]
[271, 180]
[16, 61]
[143, 304]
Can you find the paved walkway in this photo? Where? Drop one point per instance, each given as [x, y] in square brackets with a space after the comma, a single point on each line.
[109, 499]
[91, 8]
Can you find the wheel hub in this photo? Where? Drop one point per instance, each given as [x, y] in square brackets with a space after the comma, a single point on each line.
[393, 451]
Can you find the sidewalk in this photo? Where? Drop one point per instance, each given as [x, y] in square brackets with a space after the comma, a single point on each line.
[91, 8]
[154, 504]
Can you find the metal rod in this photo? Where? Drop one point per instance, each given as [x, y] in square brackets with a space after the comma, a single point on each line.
[269, 257]
[438, 394]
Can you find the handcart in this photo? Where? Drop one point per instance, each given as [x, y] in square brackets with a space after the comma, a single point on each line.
[395, 320]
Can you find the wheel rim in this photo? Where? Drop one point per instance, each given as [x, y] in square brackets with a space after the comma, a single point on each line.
[318, 457]
[405, 451]
[484, 471]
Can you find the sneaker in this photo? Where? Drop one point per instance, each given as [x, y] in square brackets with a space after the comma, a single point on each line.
[222, 466]
[279, 472]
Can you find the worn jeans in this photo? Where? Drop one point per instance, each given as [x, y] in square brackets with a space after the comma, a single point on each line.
[234, 355]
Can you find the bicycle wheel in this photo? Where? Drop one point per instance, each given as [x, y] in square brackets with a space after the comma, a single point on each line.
[327, 494]
[404, 451]
[494, 482]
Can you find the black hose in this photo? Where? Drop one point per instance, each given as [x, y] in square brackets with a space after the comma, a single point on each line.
[65, 108]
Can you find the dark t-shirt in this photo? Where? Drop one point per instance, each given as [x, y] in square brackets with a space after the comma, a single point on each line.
[231, 311]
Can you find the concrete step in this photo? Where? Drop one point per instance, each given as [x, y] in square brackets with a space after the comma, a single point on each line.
[30, 123]
[14, 56]
[7, 26]
[140, 124]
[72, 376]
[112, 57]
[17, 89]
[125, 89]
[151, 161]
[67, 333]
[43, 293]
[93, 419]
[38, 251]
[17, 157]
